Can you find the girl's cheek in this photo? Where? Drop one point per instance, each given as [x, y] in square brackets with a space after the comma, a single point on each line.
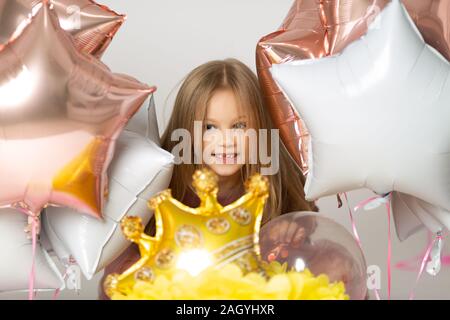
[212, 138]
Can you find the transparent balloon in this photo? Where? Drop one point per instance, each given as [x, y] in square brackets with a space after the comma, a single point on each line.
[307, 240]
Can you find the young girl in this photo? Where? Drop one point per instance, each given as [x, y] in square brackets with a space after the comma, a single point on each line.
[225, 96]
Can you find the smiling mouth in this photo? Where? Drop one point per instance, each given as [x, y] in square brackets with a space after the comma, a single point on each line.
[225, 157]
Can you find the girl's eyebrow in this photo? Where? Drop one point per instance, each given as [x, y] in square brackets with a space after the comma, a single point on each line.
[241, 117]
[236, 119]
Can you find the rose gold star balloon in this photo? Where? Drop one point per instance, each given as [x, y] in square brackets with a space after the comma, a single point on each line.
[92, 25]
[312, 29]
[285, 45]
[61, 112]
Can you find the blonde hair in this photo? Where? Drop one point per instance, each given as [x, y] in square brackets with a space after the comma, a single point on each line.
[286, 186]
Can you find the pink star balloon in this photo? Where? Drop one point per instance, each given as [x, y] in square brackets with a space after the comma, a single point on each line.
[61, 112]
[92, 25]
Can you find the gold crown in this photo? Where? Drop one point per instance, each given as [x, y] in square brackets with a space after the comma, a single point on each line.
[195, 239]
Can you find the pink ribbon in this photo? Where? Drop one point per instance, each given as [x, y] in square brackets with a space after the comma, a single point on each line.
[445, 261]
[422, 265]
[33, 263]
[352, 220]
[356, 235]
[389, 258]
[403, 265]
[389, 262]
[34, 226]
[410, 265]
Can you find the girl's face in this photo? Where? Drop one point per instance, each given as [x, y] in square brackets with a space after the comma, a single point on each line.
[225, 146]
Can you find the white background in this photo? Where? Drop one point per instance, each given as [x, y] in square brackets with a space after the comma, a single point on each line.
[161, 41]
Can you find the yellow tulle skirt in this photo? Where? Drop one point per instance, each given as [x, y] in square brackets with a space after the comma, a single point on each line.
[229, 283]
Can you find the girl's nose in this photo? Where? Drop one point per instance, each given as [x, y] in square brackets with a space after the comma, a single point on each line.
[228, 138]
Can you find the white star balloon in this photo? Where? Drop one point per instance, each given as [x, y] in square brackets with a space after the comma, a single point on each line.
[412, 214]
[378, 113]
[139, 170]
[16, 257]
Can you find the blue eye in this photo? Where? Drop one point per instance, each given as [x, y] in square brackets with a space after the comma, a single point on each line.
[240, 125]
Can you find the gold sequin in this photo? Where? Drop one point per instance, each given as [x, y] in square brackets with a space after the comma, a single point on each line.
[241, 216]
[188, 237]
[145, 274]
[218, 225]
[165, 258]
